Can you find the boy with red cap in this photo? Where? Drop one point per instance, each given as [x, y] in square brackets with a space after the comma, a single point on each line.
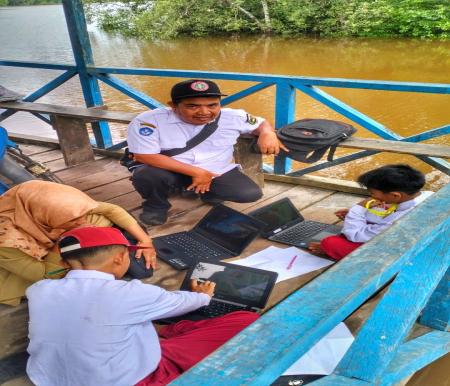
[91, 328]
[206, 168]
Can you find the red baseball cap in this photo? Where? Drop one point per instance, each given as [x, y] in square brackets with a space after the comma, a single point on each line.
[88, 237]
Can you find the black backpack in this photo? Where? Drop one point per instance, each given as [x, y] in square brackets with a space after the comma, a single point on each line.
[309, 139]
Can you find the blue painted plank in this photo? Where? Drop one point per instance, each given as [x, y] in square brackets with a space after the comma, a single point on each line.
[411, 357]
[397, 311]
[437, 88]
[244, 93]
[338, 380]
[43, 117]
[118, 146]
[337, 161]
[414, 355]
[48, 66]
[126, 89]
[259, 354]
[81, 47]
[433, 133]
[436, 314]
[349, 112]
[284, 113]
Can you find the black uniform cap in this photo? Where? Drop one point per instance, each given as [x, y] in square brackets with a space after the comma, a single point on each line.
[194, 88]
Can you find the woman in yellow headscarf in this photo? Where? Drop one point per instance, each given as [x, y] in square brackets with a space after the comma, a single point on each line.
[32, 217]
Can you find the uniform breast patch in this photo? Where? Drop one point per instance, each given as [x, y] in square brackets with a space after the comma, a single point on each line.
[250, 119]
[146, 131]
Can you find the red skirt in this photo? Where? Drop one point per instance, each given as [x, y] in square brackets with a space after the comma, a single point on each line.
[337, 247]
[187, 342]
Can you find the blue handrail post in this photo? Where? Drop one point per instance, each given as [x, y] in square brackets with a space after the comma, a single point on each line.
[436, 314]
[81, 47]
[284, 114]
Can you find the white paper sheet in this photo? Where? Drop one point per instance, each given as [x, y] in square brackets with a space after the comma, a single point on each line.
[278, 259]
[325, 355]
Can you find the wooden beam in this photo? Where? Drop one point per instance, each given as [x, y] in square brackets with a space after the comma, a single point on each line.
[437, 312]
[432, 150]
[88, 114]
[74, 140]
[319, 182]
[251, 162]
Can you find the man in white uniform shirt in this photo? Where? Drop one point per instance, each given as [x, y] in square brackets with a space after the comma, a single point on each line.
[206, 168]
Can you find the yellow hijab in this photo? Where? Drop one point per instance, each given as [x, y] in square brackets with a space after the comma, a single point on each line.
[35, 213]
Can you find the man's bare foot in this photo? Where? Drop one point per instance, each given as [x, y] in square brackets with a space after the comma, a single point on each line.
[314, 247]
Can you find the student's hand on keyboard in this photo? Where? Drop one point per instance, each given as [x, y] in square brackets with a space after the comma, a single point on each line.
[148, 254]
[206, 287]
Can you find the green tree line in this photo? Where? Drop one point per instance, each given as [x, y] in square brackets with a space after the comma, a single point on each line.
[327, 18]
[4, 3]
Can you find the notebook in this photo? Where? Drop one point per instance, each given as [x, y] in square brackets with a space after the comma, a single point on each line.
[286, 225]
[237, 288]
[222, 233]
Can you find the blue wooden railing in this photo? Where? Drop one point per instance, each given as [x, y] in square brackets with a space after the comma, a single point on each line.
[286, 88]
[416, 251]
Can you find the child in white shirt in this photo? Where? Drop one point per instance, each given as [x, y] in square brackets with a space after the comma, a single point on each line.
[91, 329]
[394, 191]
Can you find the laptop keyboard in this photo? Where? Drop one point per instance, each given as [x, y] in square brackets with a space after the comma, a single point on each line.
[192, 246]
[215, 308]
[300, 231]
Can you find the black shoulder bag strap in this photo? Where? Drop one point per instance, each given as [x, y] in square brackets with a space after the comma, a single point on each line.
[206, 132]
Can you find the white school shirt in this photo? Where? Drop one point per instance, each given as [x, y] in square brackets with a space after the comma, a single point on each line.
[90, 329]
[162, 129]
[360, 225]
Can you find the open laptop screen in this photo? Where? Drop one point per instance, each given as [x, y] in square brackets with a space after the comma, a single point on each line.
[277, 215]
[243, 285]
[229, 228]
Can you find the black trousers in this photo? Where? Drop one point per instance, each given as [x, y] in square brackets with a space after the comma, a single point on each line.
[155, 185]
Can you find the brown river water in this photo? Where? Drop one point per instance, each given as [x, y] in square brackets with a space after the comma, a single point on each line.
[39, 34]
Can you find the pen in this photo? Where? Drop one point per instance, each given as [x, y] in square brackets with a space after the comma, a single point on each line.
[291, 262]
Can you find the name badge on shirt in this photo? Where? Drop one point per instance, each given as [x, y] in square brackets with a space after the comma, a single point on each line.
[250, 119]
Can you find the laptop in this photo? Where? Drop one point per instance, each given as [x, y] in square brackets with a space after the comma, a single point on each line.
[238, 288]
[286, 225]
[222, 233]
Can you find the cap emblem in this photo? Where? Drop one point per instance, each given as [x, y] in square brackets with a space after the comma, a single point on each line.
[199, 86]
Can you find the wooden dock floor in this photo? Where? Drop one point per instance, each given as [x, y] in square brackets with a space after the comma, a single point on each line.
[106, 180]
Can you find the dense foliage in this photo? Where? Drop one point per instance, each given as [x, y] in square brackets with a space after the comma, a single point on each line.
[368, 18]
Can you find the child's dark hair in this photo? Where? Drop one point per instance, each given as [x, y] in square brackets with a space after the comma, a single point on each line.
[393, 178]
[86, 253]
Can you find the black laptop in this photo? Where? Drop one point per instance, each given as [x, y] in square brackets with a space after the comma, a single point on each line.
[286, 225]
[222, 233]
[238, 288]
